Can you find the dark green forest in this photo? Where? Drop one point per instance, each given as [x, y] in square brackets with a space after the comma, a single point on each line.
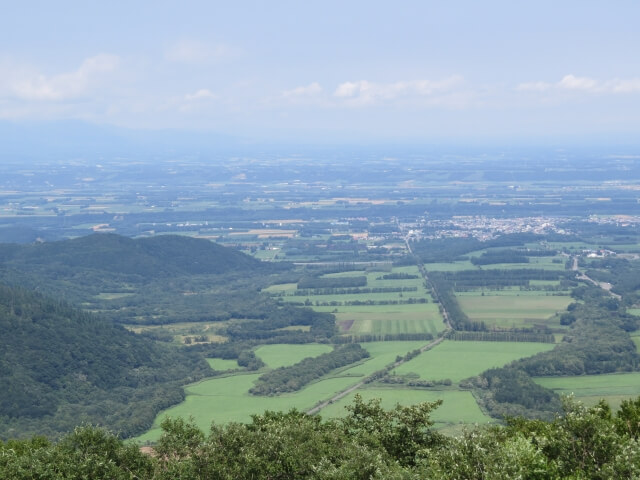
[60, 366]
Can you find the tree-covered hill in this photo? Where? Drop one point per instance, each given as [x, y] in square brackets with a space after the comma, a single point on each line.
[163, 279]
[160, 256]
[60, 366]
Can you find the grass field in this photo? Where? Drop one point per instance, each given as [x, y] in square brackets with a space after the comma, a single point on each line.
[591, 388]
[510, 292]
[181, 330]
[282, 355]
[512, 311]
[382, 354]
[459, 360]
[388, 318]
[221, 364]
[634, 311]
[458, 406]
[226, 399]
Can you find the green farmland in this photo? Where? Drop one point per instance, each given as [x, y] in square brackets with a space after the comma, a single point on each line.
[459, 360]
[505, 311]
[281, 355]
[377, 319]
[458, 406]
[221, 364]
[226, 399]
[590, 389]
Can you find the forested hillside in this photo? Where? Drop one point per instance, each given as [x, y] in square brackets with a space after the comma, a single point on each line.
[160, 256]
[60, 367]
[161, 279]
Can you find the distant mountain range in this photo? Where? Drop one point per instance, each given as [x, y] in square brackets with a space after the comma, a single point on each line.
[73, 138]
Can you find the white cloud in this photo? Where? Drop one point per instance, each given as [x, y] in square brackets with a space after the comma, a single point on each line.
[192, 51]
[363, 92]
[584, 84]
[625, 86]
[202, 94]
[571, 82]
[32, 86]
[534, 86]
[311, 90]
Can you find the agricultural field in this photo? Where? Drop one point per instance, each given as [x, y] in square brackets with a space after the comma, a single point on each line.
[458, 406]
[226, 398]
[514, 311]
[222, 365]
[369, 316]
[459, 360]
[186, 332]
[279, 355]
[590, 389]
[382, 354]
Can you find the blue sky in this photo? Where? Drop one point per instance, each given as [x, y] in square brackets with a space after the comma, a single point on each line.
[328, 70]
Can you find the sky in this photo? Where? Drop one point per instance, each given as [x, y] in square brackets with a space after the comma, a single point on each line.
[327, 71]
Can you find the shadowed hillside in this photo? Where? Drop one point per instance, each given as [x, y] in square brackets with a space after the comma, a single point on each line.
[161, 256]
[60, 366]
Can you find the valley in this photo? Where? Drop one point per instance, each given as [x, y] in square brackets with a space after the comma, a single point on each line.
[459, 285]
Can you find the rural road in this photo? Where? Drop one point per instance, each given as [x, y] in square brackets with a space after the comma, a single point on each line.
[603, 285]
[396, 364]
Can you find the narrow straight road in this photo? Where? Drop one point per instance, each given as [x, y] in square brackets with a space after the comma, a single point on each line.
[424, 348]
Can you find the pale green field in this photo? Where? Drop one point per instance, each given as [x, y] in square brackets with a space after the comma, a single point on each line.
[590, 389]
[282, 355]
[508, 310]
[226, 399]
[544, 282]
[282, 287]
[460, 360]
[634, 311]
[382, 354]
[534, 262]
[458, 406]
[350, 297]
[221, 364]
[383, 319]
[510, 292]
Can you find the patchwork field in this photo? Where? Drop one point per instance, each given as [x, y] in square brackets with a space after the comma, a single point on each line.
[368, 317]
[459, 360]
[226, 399]
[507, 311]
[591, 388]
